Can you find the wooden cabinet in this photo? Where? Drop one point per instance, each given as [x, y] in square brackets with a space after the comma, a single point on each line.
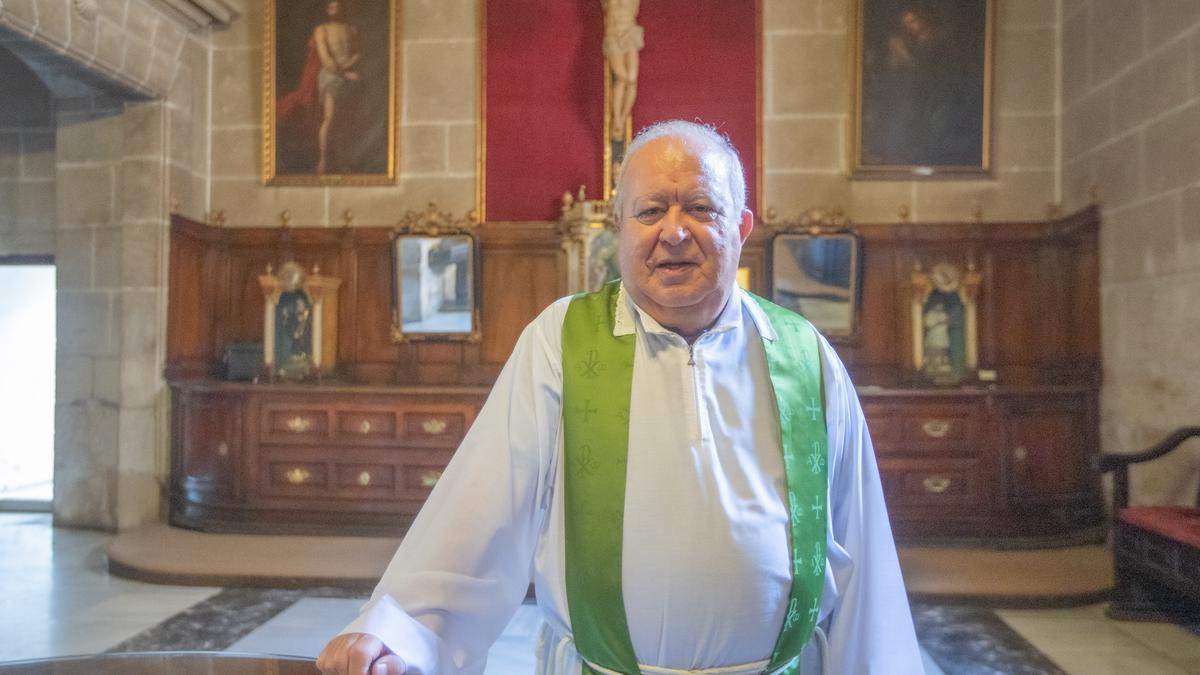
[998, 466]
[1001, 465]
[207, 429]
[305, 458]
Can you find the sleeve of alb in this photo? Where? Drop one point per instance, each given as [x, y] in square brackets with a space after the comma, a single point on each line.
[871, 629]
[464, 566]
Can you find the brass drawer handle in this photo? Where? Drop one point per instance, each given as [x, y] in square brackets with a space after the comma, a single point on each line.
[936, 428]
[364, 478]
[223, 449]
[297, 476]
[1020, 453]
[936, 484]
[299, 424]
[434, 426]
[430, 478]
[365, 427]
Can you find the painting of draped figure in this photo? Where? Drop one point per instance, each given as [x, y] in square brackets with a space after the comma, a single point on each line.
[329, 108]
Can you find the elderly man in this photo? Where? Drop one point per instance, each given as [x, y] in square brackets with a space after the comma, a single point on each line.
[682, 469]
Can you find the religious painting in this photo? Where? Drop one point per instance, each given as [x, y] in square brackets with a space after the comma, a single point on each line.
[923, 85]
[945, 343]
[329, 92]
[818, 275]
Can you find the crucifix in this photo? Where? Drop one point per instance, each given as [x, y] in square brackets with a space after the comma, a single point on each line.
[623, 39]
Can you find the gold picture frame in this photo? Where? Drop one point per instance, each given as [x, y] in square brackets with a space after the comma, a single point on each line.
[322, 127]
[921, 104]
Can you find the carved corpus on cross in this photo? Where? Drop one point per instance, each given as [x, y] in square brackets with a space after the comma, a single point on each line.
[623, 40]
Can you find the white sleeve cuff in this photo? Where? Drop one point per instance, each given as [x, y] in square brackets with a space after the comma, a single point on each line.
[420, 648]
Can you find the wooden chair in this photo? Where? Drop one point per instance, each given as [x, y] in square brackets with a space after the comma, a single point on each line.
[1156, 549]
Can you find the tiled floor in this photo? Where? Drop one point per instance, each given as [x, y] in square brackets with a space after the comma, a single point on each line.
[60, 600]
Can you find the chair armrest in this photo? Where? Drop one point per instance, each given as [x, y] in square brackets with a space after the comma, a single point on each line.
[1119, 463]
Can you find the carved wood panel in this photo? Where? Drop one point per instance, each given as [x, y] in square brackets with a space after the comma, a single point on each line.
[1038, 307]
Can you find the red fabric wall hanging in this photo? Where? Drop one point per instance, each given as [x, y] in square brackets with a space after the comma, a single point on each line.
[543, 91]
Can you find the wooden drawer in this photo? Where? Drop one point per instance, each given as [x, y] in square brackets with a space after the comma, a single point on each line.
[357, 480]
[355, 476]
[929, 429]
[435, 427]
[884, 424]
[421, 470]
[290, 423]
[954, 484]
[366, 426]
[938, 428]
[308, 473]
[283, 475]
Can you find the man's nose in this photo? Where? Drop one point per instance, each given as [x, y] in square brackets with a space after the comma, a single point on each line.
[672, 230]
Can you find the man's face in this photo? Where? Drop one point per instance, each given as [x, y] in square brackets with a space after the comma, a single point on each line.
[679, 240]
[333, 9]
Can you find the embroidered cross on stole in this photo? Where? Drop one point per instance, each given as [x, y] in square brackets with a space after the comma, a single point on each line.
[597, 381]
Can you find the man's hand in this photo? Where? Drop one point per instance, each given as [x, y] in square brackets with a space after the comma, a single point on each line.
[359, 654]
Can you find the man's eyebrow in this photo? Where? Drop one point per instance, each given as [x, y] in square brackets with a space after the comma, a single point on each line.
[652, 197]
[701, 193]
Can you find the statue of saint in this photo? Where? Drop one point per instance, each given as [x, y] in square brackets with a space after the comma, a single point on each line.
[293, 324]
[623, 39]
[937, 339]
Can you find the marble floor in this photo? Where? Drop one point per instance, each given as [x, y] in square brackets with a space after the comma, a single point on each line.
[59, 600]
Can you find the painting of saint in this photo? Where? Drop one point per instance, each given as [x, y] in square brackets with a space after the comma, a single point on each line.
[923, 86]
[330, 109]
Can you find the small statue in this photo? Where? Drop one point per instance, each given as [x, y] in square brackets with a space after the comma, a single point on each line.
[293, 324]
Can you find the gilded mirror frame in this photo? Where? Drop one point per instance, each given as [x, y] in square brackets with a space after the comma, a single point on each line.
[831, 285]
[434, 224]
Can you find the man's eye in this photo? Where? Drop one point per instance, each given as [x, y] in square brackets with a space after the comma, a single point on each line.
[649, 215]
[702, 211]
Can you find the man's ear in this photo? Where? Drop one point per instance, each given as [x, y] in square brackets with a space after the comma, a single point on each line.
[746, 224]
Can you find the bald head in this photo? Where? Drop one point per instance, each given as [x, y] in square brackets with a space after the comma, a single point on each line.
[700, 136]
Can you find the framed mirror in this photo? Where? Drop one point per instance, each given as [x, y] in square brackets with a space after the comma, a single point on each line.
[435, 278]
[818, 274]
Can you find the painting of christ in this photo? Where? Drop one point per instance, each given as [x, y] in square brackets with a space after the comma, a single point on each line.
[923, 88]
[330, 92]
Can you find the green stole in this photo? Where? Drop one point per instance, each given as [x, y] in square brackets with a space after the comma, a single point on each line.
[597, 381]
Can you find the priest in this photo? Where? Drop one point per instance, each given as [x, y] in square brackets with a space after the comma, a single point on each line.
[681, 468]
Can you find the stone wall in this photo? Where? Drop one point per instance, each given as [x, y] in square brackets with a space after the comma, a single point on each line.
[130, 134]
[806, 111]
[1131, 127]
[26, 161]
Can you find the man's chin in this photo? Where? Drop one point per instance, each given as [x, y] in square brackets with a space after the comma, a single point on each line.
[678, 296]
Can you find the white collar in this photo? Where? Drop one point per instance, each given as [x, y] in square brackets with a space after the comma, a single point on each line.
[729, 319]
